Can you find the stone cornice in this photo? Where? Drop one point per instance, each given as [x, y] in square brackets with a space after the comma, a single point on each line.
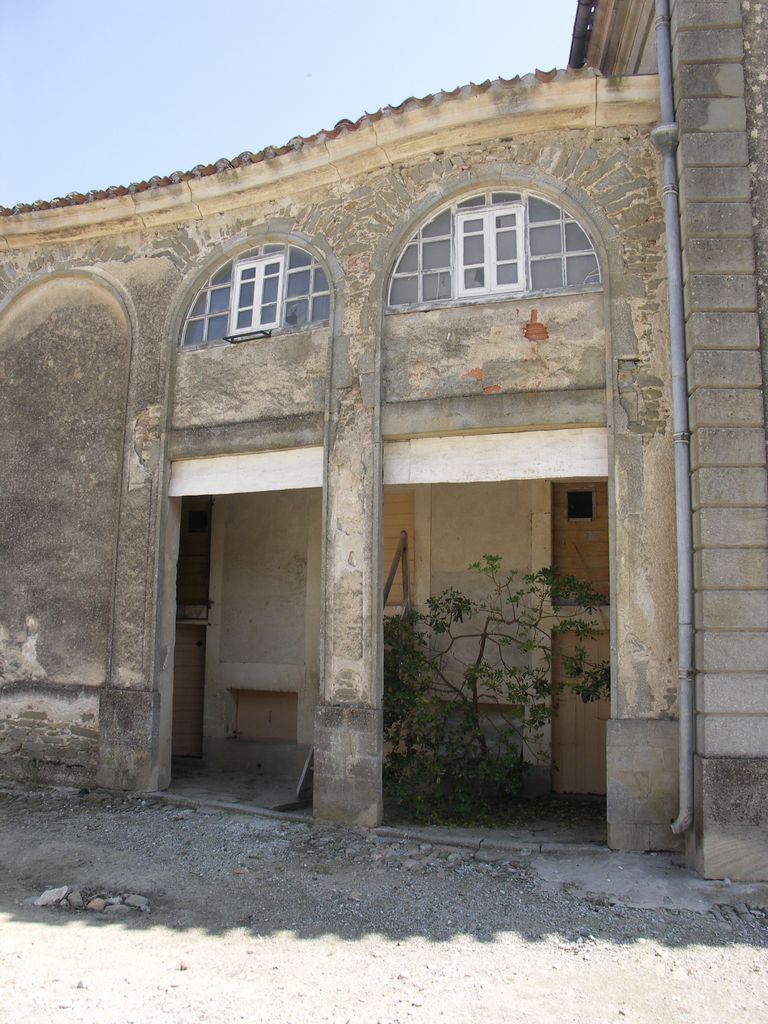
[504, 110]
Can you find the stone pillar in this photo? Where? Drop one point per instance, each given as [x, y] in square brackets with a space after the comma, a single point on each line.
[727, 442]
[641, 735]
[132, 754]
[348, 721]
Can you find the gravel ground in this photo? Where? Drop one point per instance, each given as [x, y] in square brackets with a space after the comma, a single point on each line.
[255, 919]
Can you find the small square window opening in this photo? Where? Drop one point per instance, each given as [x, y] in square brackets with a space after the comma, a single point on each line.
[581, 505]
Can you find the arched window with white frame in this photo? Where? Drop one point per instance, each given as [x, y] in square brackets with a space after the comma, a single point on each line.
[491, 245]
[270, 288]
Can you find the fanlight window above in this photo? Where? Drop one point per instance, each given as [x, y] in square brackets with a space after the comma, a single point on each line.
[494, 244]
[272, 287]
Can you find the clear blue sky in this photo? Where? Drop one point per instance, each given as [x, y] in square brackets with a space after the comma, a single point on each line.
[100, 94]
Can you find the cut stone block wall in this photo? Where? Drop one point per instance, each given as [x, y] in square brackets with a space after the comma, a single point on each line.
[726, 399]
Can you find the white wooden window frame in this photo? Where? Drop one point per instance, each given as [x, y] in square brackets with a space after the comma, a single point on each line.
[259, 264]
[487, 206]
[491, 262]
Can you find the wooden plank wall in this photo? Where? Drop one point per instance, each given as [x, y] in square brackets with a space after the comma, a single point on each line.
[192, 580]
[580, 548]
[188, 683]
[398, 515]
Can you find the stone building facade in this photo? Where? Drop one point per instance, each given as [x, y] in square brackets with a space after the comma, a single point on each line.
[188, 469]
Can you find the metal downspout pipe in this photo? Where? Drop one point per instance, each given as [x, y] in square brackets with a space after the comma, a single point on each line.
[580, 37]
[665, 138]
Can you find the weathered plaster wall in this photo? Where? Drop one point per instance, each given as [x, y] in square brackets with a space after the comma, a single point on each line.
[264, 632]
[468, 522]
[64, 351]
[472, 520]
[481, 349]
[261, 379]
[265, 577]
[64, 364]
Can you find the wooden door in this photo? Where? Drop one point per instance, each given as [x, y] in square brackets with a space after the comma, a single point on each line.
[578, 729]
[188, 685]
[192, 575]
[580, 548]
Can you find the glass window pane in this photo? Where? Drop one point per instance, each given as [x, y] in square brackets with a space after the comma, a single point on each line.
[244, 318]
[429, 286]
[269, 289]
[252, 254]
[409, 260]
[194, 332]
[474, 278]
[297, 312]
[472, 226]
[223, 276]
[436, 286]
[435, 254]
[539, 210]
[199, 307]
[272, 248]
[506, 245]
[582, 270]
[320, 283]
[575, 238]
[545, 240]
[271, 269]
[298, 258]
[505, 197]
[248, 274]
[474, 201]
[321, 307]
[404, 290]
[441, 225]
[474, 250]
[219, 300]
[298, 283]
[547, 274]
[506, 220]
[268, 314]
[506, 273]
[246, 295]
[217, 327]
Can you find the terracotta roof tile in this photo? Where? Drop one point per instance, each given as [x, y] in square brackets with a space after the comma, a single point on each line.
[298, 142]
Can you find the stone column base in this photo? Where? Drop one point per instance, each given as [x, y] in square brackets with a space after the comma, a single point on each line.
[731, 829]
[128, 740]
[642, 784]
[348, 757]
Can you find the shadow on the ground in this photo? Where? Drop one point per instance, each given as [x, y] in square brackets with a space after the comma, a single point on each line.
[217, 872]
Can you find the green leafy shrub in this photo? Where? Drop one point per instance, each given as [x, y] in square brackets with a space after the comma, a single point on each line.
[468, 688]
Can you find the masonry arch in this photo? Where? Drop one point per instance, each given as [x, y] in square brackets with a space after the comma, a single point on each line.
[66, 340]
[446, 410]
[234, 250]
[245, 401]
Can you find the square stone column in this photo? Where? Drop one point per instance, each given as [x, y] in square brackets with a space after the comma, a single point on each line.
[348, 722]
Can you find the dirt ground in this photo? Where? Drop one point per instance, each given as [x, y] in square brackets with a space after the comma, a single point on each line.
[257, 919]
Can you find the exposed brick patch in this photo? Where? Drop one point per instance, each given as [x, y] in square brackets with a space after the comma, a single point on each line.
[534, 330]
